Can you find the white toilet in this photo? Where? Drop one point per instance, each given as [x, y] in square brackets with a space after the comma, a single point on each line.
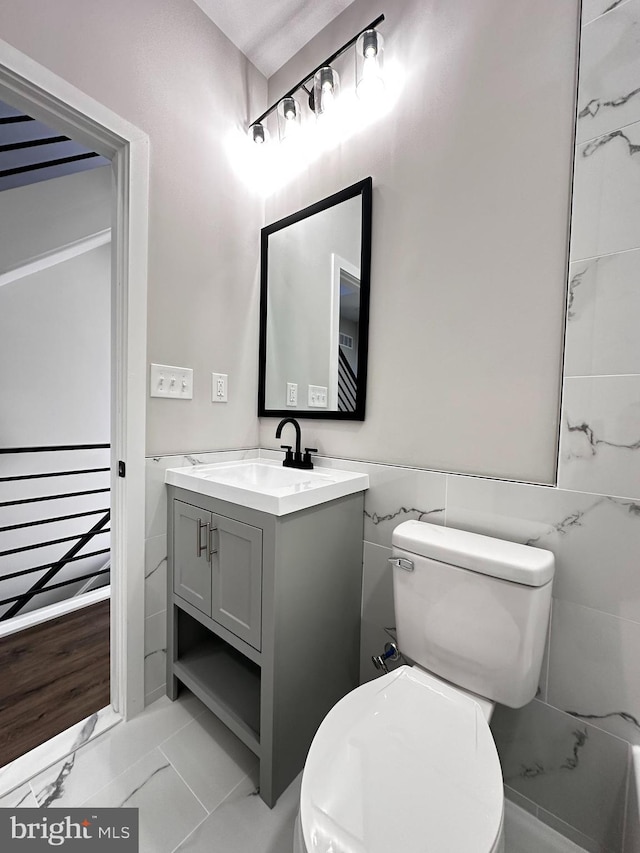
[406, 763]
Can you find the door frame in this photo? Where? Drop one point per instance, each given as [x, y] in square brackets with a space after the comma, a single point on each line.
[31, 87]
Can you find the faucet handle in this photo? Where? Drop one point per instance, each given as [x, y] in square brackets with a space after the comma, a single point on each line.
[306, 459]
[288, 458]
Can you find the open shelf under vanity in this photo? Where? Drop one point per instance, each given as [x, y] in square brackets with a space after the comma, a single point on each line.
[220, 676]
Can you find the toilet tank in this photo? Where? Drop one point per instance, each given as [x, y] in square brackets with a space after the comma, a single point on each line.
[472, 609]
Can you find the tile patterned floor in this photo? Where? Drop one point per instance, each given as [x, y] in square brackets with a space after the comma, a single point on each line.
[162, 761]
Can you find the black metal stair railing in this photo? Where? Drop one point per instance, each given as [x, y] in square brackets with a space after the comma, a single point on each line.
[80, 540]
[347, 384]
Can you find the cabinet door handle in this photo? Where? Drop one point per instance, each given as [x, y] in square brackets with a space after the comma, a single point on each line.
[212, 550]
[202, 525]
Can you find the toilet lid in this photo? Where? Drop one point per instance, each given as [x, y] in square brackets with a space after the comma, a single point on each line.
[403, 764]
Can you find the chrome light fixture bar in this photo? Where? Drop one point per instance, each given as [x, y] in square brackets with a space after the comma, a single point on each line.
[324, 87]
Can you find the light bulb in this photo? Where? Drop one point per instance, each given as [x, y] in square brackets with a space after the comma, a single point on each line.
[326, 87]
[289, 109]
[288, 118]
[369, 50]
[327, 97]
[258, 133]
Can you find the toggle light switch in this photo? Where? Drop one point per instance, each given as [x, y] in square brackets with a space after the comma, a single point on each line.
[173, 382]
[317, 397]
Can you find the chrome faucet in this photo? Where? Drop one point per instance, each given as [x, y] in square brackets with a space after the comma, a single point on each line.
[297, 459]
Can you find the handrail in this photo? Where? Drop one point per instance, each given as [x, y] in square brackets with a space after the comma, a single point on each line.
[46, 544]
[347, 385]
[80, 541]
[347, 366]
[51, 520]
[20, 573]
[53, 474]
[53, 497]
[54, 448]
[70, 556]
[59, 161]
[53, 586]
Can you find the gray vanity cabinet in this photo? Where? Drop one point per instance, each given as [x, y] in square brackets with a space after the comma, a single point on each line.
[218, 568]
[236, 578]
[192, 572]
[264, 619]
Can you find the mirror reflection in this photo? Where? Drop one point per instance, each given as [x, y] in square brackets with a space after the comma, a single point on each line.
[314, 309]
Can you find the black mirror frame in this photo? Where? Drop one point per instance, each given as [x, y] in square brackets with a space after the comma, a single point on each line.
[365, 190]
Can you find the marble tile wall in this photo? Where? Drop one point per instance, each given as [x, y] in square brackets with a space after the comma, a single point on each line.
[565, 755]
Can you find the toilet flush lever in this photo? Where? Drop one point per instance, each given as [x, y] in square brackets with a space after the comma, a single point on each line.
[401, 563]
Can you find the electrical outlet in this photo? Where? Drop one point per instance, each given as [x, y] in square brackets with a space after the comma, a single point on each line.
[292, 393]
[317, 397]
[219, 387]
[173, 382]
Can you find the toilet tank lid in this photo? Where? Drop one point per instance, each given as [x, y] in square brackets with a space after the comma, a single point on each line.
[506, 560]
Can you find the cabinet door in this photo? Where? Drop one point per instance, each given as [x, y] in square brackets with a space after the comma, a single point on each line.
[191, 558]
[237, 578]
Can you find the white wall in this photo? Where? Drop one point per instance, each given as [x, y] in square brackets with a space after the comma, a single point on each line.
[55, 324]
[39, 218]
[164, 66]
[55, 349]
[471, 174]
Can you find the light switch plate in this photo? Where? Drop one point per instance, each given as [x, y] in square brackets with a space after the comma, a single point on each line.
[219, 387]
[173, 382]
[317, 397]
[292, 393]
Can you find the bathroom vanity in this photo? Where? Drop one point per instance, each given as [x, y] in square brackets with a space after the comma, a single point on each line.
[264, 591]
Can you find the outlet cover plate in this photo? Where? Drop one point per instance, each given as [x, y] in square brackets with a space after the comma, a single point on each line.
[219, 387]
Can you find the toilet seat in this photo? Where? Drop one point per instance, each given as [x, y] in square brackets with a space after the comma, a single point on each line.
[403, 764]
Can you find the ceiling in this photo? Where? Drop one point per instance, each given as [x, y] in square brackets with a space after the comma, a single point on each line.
[31, 152]
[270, 32]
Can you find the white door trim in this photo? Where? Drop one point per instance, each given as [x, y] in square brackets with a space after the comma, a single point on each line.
[30, 86]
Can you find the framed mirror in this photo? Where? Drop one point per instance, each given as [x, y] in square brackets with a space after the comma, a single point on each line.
[314, 309]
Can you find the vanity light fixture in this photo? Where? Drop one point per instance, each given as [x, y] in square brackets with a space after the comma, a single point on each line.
[258, 133]
[288, 118]
[369, 50]
[322, 85]
[326, 88]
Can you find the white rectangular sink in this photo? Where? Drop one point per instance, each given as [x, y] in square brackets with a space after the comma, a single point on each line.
[266, 485]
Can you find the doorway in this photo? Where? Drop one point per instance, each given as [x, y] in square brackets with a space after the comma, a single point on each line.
[55, 338]
[33, 89]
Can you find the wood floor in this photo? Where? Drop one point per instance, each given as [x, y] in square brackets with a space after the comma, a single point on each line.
[52, 676]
